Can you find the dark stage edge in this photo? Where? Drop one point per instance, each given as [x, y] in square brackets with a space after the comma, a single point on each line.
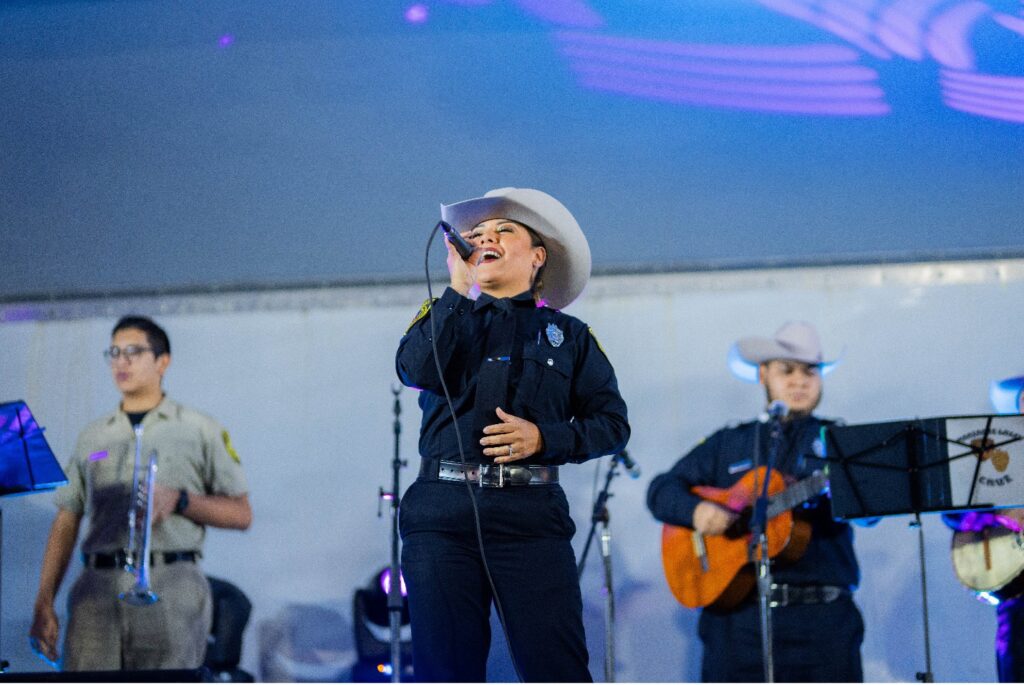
[188, 675]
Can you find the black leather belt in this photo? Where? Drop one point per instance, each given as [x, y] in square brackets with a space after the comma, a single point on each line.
[785, 595]
[119, 558]
[489, 475]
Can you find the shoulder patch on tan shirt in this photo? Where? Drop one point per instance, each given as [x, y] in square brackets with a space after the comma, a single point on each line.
[229, 447]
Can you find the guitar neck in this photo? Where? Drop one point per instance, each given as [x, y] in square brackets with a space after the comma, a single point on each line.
[797, 494]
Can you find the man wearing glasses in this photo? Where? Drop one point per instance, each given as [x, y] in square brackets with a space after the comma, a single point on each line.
[199, 483]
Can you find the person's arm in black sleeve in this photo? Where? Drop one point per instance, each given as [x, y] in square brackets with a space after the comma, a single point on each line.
[415, 359]
[668, 496]
[599, 425]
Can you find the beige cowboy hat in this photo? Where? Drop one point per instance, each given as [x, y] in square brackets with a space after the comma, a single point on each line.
[795, 341]
[568, 254]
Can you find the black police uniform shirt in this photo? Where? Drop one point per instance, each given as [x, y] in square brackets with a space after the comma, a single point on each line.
[725, 457]
[559, 379]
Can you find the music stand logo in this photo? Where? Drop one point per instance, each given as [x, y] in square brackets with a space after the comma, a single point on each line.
[984, 448]
[991, 446]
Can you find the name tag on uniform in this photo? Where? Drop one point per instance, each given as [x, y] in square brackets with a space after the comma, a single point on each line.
[738, 466]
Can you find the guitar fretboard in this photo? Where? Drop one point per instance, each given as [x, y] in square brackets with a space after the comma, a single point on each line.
[798, 493]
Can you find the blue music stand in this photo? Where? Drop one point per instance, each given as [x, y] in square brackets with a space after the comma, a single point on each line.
[27, 464]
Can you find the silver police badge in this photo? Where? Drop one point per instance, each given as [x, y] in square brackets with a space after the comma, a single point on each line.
[555, 335]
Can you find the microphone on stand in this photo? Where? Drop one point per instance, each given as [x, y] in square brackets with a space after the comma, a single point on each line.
[632, 468]
[462, 245]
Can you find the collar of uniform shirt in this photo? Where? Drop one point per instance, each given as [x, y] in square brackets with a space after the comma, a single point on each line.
[484, 300]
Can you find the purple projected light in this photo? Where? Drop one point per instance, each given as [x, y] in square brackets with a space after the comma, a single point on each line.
[846, 20]
[800, 79]
[996, 97]
[416, 14]
[1013, 23]
[947, 36]
[22, 423]
[385, 582]
[815, 79]
[900, 27]
[563, 12]
[21, 313]
[226, 40]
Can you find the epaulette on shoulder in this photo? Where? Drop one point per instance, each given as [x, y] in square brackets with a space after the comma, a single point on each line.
[424, 310]
[596, 341]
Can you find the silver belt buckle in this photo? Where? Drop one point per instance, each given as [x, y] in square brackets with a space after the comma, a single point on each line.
[488, 469]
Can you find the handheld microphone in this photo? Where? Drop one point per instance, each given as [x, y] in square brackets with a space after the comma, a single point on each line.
[462, 246]
[632, 468]
[778, 410]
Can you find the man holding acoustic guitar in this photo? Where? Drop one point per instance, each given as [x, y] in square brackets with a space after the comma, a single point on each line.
[988, 556]
[705, 500]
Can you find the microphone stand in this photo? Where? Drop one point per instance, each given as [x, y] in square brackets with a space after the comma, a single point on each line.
[395, 588]
[759, 551]
[601, 515]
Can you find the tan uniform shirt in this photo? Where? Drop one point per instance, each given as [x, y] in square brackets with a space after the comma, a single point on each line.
[193, 452]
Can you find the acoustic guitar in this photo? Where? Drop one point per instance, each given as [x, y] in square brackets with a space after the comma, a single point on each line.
[716, 571]
[990, 560]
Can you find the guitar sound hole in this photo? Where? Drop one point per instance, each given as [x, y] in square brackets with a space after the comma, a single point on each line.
[741, 526]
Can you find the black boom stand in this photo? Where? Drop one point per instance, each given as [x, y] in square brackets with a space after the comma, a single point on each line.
[600, 515]
[395, 587]
[758, 552]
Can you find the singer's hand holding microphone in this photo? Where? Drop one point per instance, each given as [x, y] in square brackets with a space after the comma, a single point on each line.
[463, 273]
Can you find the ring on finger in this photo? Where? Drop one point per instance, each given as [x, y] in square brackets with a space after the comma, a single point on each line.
[510, 450]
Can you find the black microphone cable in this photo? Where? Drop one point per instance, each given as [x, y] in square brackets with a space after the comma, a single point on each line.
[462, 458]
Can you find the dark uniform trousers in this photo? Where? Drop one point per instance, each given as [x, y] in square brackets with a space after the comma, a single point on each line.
[535, 577]
[812, 643]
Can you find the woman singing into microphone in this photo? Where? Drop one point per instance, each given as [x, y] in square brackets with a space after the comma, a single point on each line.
[531, 390]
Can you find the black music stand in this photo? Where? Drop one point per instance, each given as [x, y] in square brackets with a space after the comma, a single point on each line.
[27, 464]
[921, 466]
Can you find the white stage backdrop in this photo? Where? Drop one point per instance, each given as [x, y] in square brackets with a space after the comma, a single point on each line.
[303, 380]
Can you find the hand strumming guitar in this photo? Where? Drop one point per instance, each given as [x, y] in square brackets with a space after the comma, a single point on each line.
[712, 519]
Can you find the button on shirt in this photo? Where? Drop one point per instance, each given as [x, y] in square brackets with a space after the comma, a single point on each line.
[559, 379]
[192, 453]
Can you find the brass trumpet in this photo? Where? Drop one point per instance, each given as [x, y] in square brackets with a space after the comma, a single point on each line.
[137, 555]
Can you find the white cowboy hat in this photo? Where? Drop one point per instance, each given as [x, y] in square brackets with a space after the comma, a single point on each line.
[568, 255]
[794, 341]
[1005, 394]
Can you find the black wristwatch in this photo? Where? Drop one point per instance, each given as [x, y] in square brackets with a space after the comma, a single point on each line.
[182, 504]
